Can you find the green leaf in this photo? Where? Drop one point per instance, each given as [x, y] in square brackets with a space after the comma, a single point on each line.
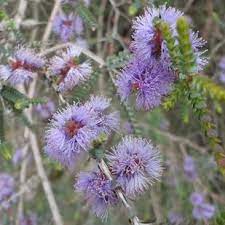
[86, 15]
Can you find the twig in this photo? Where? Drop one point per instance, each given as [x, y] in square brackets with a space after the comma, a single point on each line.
[20, 12]
[50, 22]
[180, 140]
[44, 180]
[23, 172]
[86, 52]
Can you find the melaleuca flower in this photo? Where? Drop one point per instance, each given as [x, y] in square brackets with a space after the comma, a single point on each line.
[190, 170]
[175, 218]
[17, 157]
[201, 209]
[71, 130]
[7, 188]
[107, 121]
[30, 219]
[98, 191]
[204, 211]
[67, 69]
[149, 82]
[148, 41]
[66, 26]
[22, 66]
[135, 163]
[45, 110]
[197, 198]
[222, 70]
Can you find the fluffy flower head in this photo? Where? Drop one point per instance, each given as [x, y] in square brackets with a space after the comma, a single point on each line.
[108, 121]
[67, 69]
[201, 209]
[74, 128]
[98, 191]
[149, 82]
[22, 66]
[190, 170]
[66, 26]
[7, 186]
[30, 219]
[148, 41]
[135, 163]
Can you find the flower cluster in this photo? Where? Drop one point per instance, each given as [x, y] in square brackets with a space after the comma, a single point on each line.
[175, 218]
[46, 110]
[67, 69]
[98, 191]
[74, 128]
[150, 83]
[22, 66]
[135, 163]
[190, 170]
[30, 219]
[66, 26]
[201, 210]
[7, 186]
[149, 74]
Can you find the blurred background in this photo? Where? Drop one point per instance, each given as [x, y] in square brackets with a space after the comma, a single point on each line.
[189, 165]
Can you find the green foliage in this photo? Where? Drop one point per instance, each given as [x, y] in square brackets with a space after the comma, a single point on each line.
[86, 15]
[132, 119]
[191, 87]
[186, 57]
[220, 218]
[205, 85]
[118, 61]
[82, 91]
[170, 41]
[2, 132]
[18, 100]
[5, 150]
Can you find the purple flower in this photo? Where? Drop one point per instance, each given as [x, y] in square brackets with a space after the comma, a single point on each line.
[197, 198]
[147, 40]
[67, 69]
[222, 69]
[74, 128]
[98, 191]
[135, 163]
[71, 130]
[150, 82]
[107, 121]
[17, 157]
[201, 209]
[7, 186]
[148, 43]
[30, 219]
[190, 170]
[46, 110]
[22, 66]
[66, 26]
[175, 218]
[204, 211]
